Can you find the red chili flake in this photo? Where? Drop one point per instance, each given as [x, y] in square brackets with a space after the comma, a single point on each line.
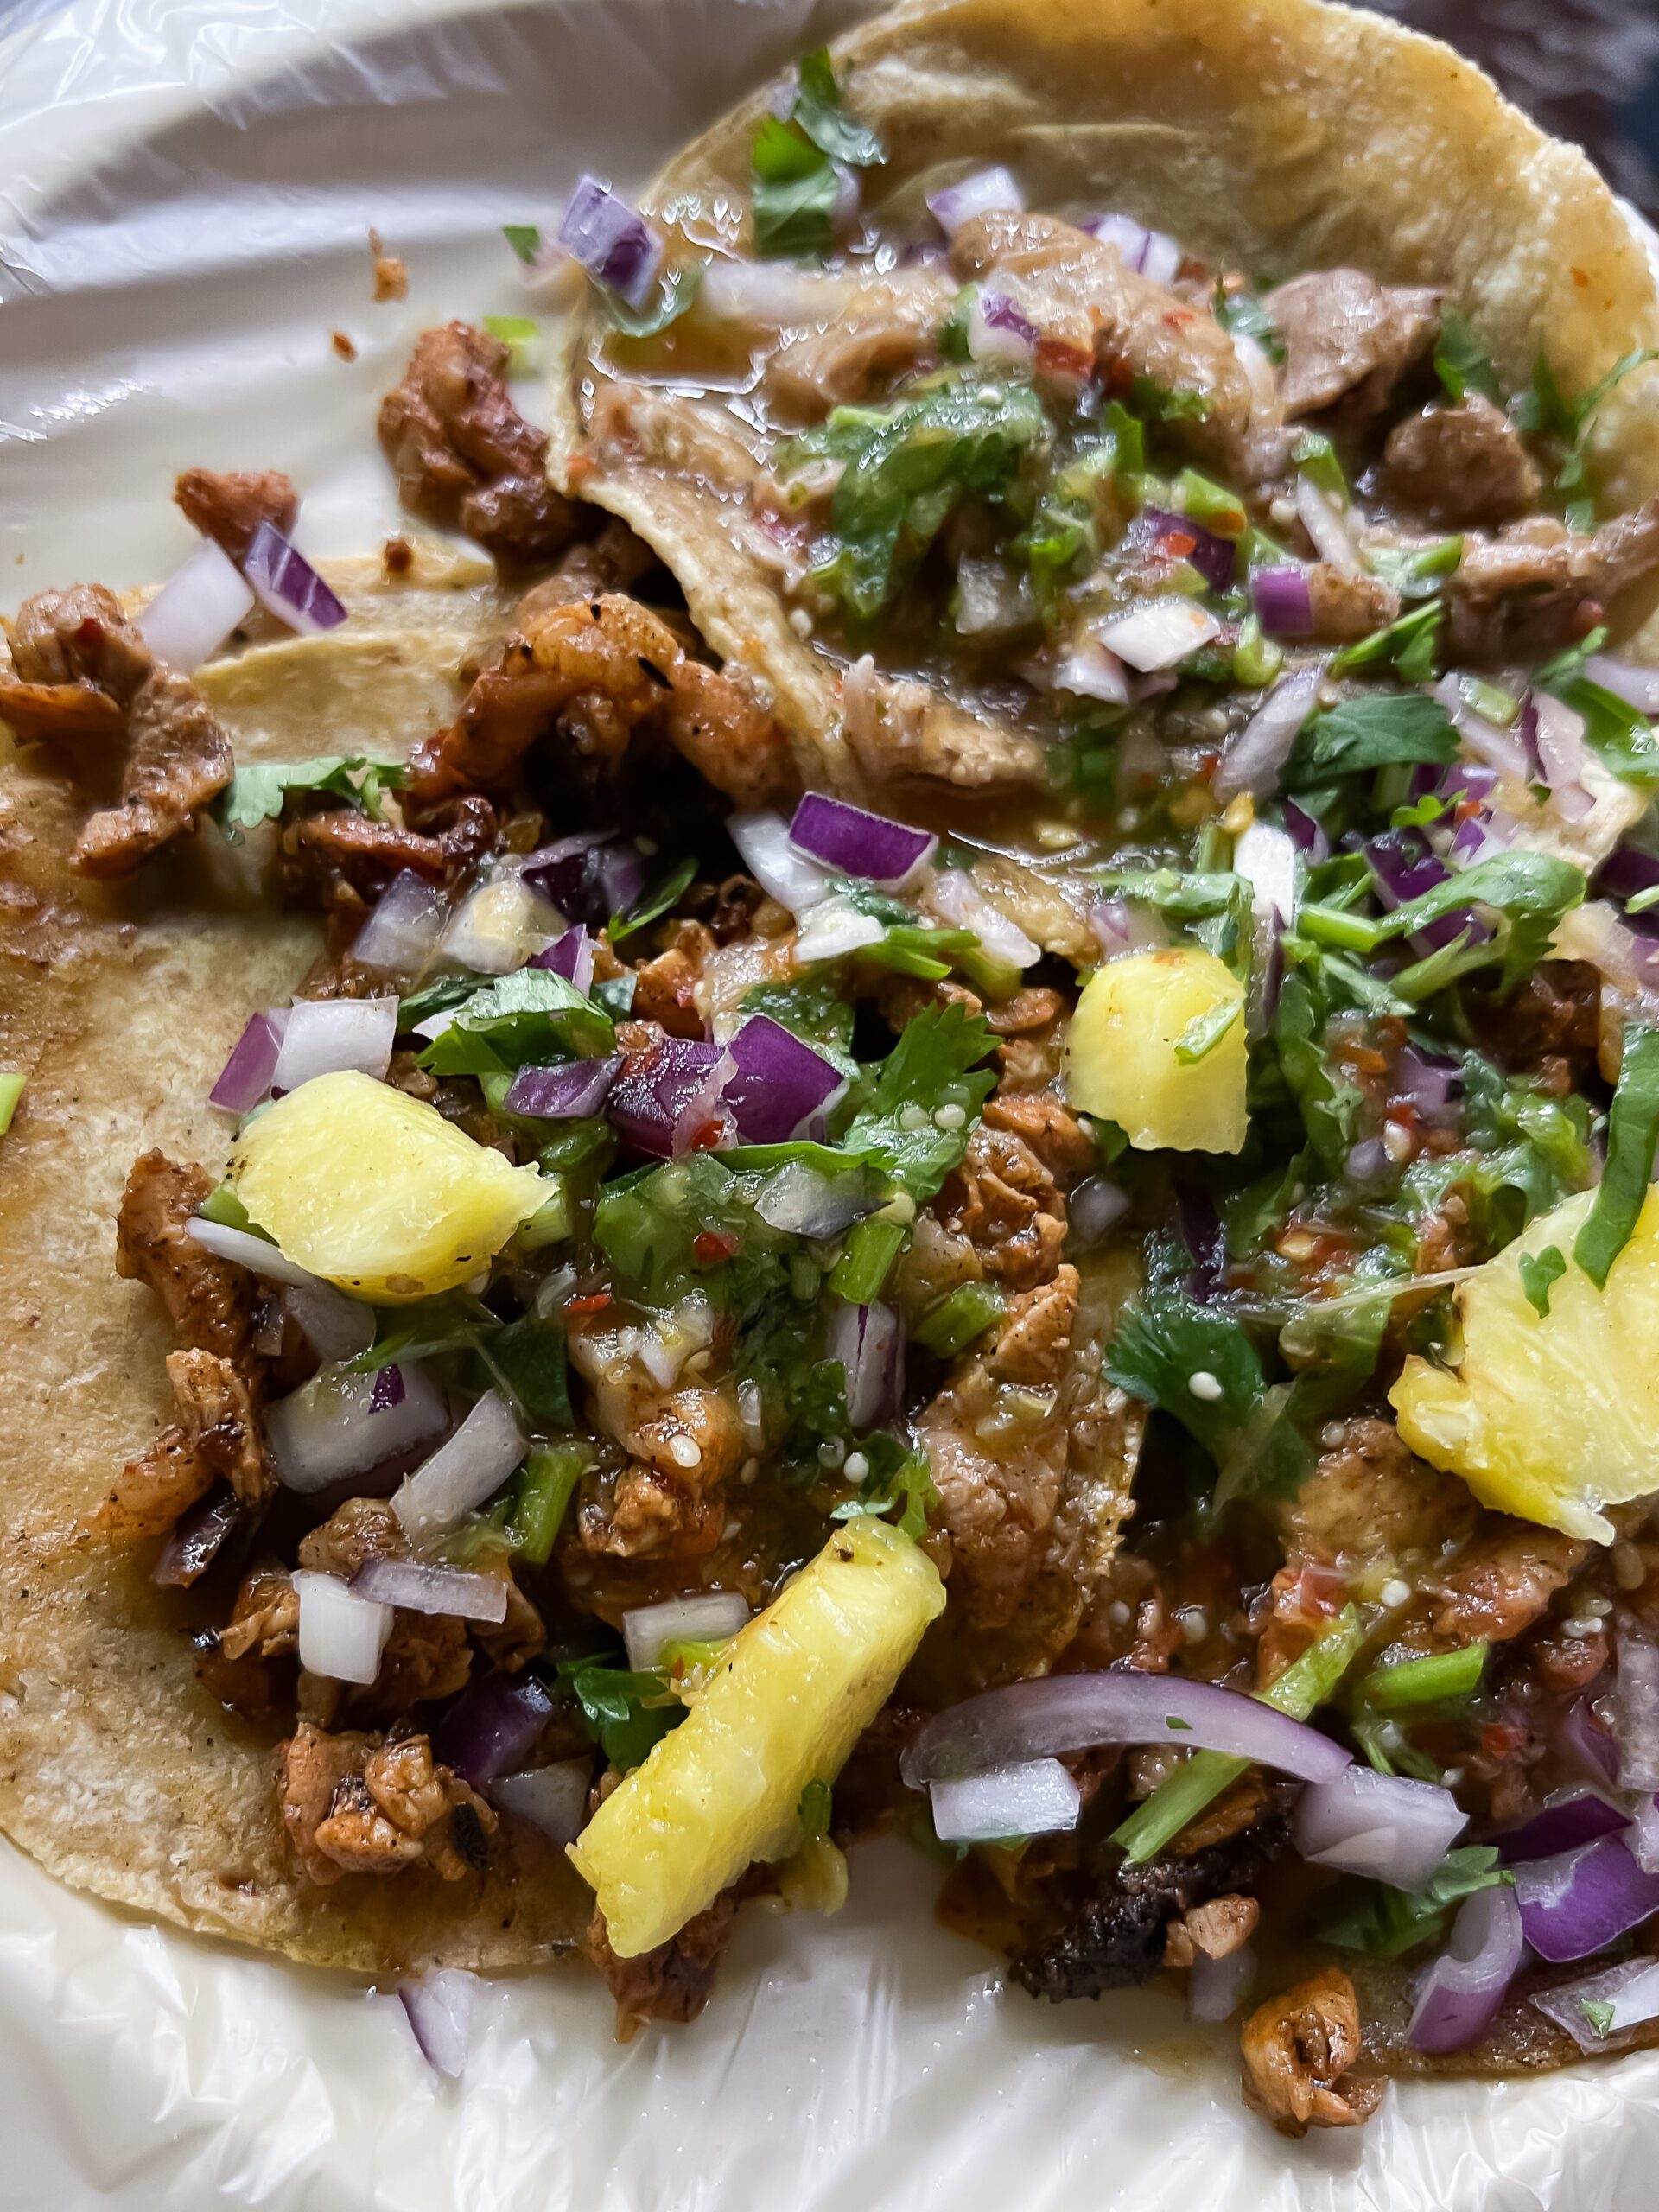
[1503, 1740]
[595, 1302]
[713, 1245]
[1056, 357]
[709, 1136]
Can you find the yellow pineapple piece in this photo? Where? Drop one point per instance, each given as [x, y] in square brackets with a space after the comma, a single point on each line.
[1552, 1418]
[1122, 1061]
[786, 1702]
[375, 1190]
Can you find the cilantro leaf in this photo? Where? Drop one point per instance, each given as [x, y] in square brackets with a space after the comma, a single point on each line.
[1632, 1136]
[1165, 1344]
[1244, 314]
[1329, 1105]
[1370, 733]
[1408, 645]
[527, 1359]
[652, 903]
[933, 1067]
[542, 1490]
[525, 239]
[530, 1018]
[1546, 409]
[1385, 1921]
[822, 114]
[623, 1713]
[675, 293]
[257, 792]
[898, 1478]
[1531, 891]
[794, 194]
[1461, 362]
[1540, 1272]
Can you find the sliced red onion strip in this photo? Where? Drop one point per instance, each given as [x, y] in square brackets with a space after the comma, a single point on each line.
[999, 336]
[1430, 1083]
[956, 898]
[1033, 1797]
[1404, 869]
[664, 1099]
[440, 2004]
[329, 1429]
[552, 1798]
[246, 1077]
[419, 1588]
[856, 842]
[400, 937]
[328, 1036]
[986, 192]
[1637, 687]
[1577, 1904]
[762, 840]
[491, 1727]
[1215, 1987]
[1461, 1993]
[571, 957]
[1631, 1989]
[1575, 1820]
[1283, 603]
[612, 240]
[577, 1089]
[1158, 634]
[196, 609]
[1587, 1742]
[257, 1254]
[1383, 1826]
[1264, 744]
[710, 1617]
[286, 585]
[341, 1634]
[778, 1084]
[470, 1467]
[869, 1342]
[1558, 734]
[1073, 1712]
[1306, 834]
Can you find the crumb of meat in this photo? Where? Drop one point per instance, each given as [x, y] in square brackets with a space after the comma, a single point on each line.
[898, 730]
[216, 1411]
[312, 1766]
[339, 855]
[427, 1656]
[396, 557]
[671, 1983]
[152, 1490]
[352, 1804]
[1345, 607]
[648, 1513]
[665, 987]
[1298, 2050]
[1034, 1337]
[208, 1300]
[1212, 1930]
[178, 759]
[1370, 1501]
[594, 674]
[1501, 1582]
[1461, 467]
[1004, 1199]
[390, 274]
[361, 1530]
[1538, 585]
[80, 636]
[266, 1620]
[343, 345]
[1031, 1026]
[1349, 341]
[1052, 1132]
[229, 507]
[998, 1493]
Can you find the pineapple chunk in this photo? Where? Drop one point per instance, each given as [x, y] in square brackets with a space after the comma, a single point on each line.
[1549, 1418]
[375, 1190]
[787, 1700]
[1121, 1062]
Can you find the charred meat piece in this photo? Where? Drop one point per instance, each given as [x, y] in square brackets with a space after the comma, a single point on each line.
[671, 1983]
[178, 759]
[1298, 2051]
[216, 1411]
[341, 857]
[355, 1805]
[229, 505]
[465, 457]
[1461, 467]
[1004, 1199]
[1350, 341]
[152, 1491]
[1346, 608]
[1371, 1500]
[1551, 1027]
[1539, 586]
[361, 1530]
[208, 1300]
[1501, 1582]
[265, 1623]
[613, 561]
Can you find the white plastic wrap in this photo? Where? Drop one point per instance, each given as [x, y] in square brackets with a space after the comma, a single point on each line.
[186, 188]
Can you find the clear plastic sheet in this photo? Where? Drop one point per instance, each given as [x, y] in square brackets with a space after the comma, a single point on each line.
[186, 188]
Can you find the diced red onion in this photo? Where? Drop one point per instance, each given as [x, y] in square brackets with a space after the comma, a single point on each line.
[1460, 1994]
[461, 1473]
[571, 957]
[1626, 872]
[400, 937]
[612, 240]
[439, 2004]
[327, 1036]
[1093, 1209]
[1367, 1162]
[1579, 1902]
[330, 1429]
[1383, 1825]
[956, 897]
[1267, 972]
[1496, 747]
[552, 1798]
[1325, 524]
[421, 1588]
[869, 1342]
[567, 875]
[1404, 869]
[389, 1388]
[197, 1537]
[1631, 1988]
[496, 927]
[1283, 603]
[1258, 756]
[491, 1727]
[1157, 633]
[833, 929]
[1306, 834]
[1031, 1797]
[1266, 858]
[622, 877]
[286, 585]
[1558, 731]
[246, 1077]
[853, 841]
[986, 192]
[999, 336]
[1215, 1988]
[1074, 1713]
[1089, 671]
[257, 1254]
[1430, 1083]
[1125, 925]
[777, 1083]
[1149, 253]
[341, 1634]
[1204, 1237]
[762, 840]
[196, 609]
[1586, 1742]
[1637, 687]
[802, 1203]
[1215, 558]
[1582, 1818]
[577, 1088]
[710, 1617]
[665, 1098]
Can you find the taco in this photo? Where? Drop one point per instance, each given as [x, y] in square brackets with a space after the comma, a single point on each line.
[937, 1117]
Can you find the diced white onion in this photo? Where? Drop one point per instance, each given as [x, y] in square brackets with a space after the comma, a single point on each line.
[554, 1798]
[473, 1465]
[834, 928]
[1153, 254]
[707, 1618]
[1266, 858]
[330, 1428]
[334, 1326]
[325, 1036]
[257, 1254]
[668, 1340]
[793, 881]
[401, 936]
[1384, 1826]
[992, 601]
[196, 609]
[342, 1635]
[1158, 632]
[440, 2004]
[1333, 539]
[1088, 671]
[956, 897]
[771, 293]
[497, 928]
[983, 193]
[1033, 1797]
[1263, 376]
[1215, 1986]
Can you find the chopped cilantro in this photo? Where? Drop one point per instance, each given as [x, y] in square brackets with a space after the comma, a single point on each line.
[1408, 645]
[897, 1477]
[652, 903]
[257, 792]
[526, 1359]
[933, 1069]
[1244, 314]
[797, 182]
[827, 122]
[624, 1713]
[529, 1018]
[862, 1269]
[1167, 1344]
[1600, 2011]
[520, 335]
[525, 239]
[1425, 1681]
[1540, 1272]
[1315, 455]
[1385, 1921]
[676, 291]
[1632, 1136]
[1370, 733]
[1547, 409]
[1205, 1031]
[1461, 362]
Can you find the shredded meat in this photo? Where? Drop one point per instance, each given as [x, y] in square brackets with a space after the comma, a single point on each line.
[1213, 1930]
[665, 988]
[998, 1494]
[79, 636]
[464, 456]
[341, 857]
[427, 1656]
[208, 1300]
[1298, 2051]
[216, 1411]
[1079, 294]
[1461, 467]
[1370, 1501]
[1349, 341]
[1501, 1582]
[1005, 1200]
[229, 507]
[508, 1644]
[671, 1983]
[1538, 585]
[265, 1622]
[1346, 607]
[178, 759]
[391, 273]
[594, 674]
[898, 730]
[648, 1513]
[353, 1805]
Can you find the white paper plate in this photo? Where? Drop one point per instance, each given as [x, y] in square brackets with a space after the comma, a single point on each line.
[186, 188]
